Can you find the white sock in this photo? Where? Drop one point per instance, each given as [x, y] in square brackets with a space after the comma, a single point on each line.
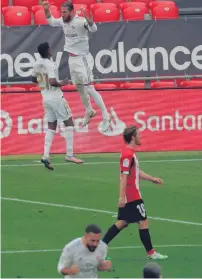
[69, 138]
[84, 97]
[48, 142]
[98, 100]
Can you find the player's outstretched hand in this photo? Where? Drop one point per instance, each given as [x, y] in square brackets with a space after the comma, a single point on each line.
[74, 269]
[45, 4]
[122, 202]
[64, 81]
[157, 181]
[105, 266]
[83, 11]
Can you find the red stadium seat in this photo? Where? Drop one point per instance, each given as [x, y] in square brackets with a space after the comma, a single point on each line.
[116, 2]
[178, 81]
[57, 3]
[26, 86]
[13, 89]
[26, 3]
[165, 12]
[40, 8]
[134, 13]
[162, 84]
[85, 2]
[114, 82]
[131, 85]
[14, 18]
[147, 2]
[36, 88]
[102, 5]
[191, 83]
[14, 8]
[100, 86]
[79, 6]
[4, 3]
[126, 5]
[40, 19]
[106, 15]
[155, 4]
[69, 87]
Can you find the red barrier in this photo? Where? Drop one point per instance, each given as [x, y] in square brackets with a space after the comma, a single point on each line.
[168, 119]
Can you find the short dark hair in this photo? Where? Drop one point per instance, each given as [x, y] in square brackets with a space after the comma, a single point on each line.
[152, 270]
[129, 132]
[43, 49]
[68, 5]
[92, 228]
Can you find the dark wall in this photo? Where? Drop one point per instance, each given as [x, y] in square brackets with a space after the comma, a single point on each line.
[189, 3]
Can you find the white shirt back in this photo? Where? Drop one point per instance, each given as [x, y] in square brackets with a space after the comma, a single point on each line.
[76, 253]
[76, 34]
[44, 69]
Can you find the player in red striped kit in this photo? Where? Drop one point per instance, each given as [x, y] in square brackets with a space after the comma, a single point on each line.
[131, 206]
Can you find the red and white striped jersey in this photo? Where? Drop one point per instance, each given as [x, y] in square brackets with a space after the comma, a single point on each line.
[129, 165]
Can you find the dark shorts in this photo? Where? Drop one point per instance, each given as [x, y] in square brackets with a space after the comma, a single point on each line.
[133, 212]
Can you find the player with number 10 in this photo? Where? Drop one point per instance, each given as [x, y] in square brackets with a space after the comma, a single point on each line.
[131, 206]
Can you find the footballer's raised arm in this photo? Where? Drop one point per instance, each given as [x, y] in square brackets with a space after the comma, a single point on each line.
[89, 23]
[52, 79]
[51, 20]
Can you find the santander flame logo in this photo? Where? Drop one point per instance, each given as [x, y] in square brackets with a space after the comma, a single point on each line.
[116, 128]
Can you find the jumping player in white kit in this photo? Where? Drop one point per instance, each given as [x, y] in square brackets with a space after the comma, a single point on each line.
[84, 256]
[80, 60]
[55, 106]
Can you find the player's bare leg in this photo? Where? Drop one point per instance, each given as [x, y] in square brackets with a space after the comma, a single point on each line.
[146, 241]
[69, 137]
[90, 112]
[100, 103]
[47, 144]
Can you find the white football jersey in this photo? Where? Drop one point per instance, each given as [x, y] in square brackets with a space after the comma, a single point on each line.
[75, 253]
[44, 69]
[76, 34]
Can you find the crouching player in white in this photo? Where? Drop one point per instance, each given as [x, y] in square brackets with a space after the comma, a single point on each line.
[76, 31]
[83, 257]
[56, 108]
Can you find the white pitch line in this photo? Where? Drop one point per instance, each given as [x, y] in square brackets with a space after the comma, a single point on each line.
[56, 164]
[59, 205]
[110, 248]
[97, 210]
[103, 163]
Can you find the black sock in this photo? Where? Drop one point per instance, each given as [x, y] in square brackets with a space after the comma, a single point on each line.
[111, 233]
[146, 239]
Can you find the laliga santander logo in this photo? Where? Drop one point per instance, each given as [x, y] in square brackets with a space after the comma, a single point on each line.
[6, 124]
[116, 126]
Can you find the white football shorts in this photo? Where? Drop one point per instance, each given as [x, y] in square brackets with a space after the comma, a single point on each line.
[57, 109]
[81, 69]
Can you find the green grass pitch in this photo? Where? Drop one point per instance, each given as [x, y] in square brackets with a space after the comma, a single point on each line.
[94, 185]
